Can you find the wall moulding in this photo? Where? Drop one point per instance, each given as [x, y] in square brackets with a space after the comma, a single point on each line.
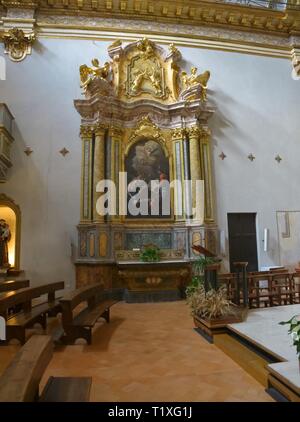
[218, 26]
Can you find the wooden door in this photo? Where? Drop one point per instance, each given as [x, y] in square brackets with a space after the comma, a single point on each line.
[242, 239]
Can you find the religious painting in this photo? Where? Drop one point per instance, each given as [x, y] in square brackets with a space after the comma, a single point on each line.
[148, 180]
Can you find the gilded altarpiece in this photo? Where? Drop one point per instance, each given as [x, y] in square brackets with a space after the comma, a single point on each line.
[137, 105]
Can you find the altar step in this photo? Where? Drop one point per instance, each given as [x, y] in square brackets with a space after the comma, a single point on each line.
[251, 360]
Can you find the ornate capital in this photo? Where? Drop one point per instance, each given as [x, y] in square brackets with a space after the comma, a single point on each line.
[99, 129]
[115, 132]
[18, 44]
[194, 131]
[86, 132]
[178, 133]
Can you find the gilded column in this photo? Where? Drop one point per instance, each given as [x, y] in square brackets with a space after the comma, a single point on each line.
[99, 168]
[116, 143]
[86, 134]
[178, 165]
[207, 175]
[195, 162]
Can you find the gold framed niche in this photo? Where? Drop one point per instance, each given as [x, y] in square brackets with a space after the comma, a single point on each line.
[150, 134]
[11, 213]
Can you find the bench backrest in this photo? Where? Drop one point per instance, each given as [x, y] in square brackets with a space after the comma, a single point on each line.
[83, 294]
[10, 285]
[72, 299]
[20, 380]
[10, 299]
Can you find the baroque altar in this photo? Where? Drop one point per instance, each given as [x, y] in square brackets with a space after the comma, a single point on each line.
[144, 116]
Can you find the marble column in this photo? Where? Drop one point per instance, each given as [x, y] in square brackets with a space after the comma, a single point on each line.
[116, 144]
[86, 134]
[99, 169]
[178, 164]
[195, 163]
[207, 175]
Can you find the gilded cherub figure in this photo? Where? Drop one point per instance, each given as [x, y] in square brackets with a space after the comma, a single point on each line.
[193, 79]
[87, 74]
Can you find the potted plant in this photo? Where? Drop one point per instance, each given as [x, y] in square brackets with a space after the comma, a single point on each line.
[210, 306]
[150, 253]
[294, 331]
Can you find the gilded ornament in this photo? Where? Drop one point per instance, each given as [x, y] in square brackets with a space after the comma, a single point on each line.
[194, 131]
[145, 72]
[86, 131]
[115, 44]
[18, 44]
[145, 124]
[192, 80]
[88, 74]
[178, 133]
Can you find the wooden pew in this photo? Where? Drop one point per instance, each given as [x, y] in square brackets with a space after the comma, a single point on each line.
[17, 323]
[20, 380]
[81, 324]
[11, 285]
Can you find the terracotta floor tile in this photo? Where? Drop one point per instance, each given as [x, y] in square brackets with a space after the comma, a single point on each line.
[150, 352]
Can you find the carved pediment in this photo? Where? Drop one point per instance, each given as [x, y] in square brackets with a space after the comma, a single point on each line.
[143, 70]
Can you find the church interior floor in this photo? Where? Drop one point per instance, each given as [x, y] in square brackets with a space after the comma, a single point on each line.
[150, 352]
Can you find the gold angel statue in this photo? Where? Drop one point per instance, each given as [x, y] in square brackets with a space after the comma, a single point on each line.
[87, 74]
[193, 79]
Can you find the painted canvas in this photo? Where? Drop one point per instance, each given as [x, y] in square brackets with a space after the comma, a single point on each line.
[146, 161]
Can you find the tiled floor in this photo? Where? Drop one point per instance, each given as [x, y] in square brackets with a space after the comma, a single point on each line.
[150, 352]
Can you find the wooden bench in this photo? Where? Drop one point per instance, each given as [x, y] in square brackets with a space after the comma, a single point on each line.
[11, 285]
[80, 325]
[16, 324]
[20, 380]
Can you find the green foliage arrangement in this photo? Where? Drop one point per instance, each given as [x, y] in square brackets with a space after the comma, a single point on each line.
[200, 264]
[294, 331]
[150, 254]
[198, 273]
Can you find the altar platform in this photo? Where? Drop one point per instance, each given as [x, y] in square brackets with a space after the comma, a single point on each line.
[265, 349]
[154, 281]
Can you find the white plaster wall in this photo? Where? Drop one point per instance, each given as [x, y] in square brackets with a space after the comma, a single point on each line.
[256, 101]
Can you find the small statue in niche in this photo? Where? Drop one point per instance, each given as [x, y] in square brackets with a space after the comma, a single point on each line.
[193, 79]
[5, 236]
[87, 74]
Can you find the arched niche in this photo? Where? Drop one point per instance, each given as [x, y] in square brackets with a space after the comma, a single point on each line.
[10, 212]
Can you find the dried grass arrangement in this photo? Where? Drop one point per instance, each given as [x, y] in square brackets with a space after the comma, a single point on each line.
[212, 304]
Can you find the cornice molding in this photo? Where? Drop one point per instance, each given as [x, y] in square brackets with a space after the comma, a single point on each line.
[192, 12]
[199, 24]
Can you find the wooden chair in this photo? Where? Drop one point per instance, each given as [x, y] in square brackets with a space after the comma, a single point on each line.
[80, 325]
[228, 279]
[259, 292]
[284, 286]
[20, 380]
[16, 324]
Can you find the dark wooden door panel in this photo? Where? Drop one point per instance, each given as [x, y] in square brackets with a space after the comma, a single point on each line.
[242, 239]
